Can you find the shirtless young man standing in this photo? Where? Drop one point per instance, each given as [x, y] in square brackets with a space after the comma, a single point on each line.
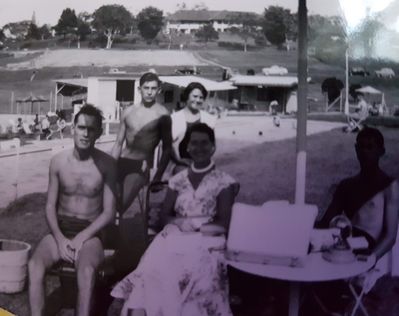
[80, 202]
[143, 126]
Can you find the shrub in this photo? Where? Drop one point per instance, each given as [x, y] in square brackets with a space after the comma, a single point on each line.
[231, 45]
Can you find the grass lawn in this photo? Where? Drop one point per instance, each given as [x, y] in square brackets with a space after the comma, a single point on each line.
[265, 172]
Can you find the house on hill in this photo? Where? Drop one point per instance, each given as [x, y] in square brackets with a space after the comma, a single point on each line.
[17, 30]
[189, 21]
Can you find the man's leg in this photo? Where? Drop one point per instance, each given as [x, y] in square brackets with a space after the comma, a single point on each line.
[45, 255]
[132, 185]
[90, 256]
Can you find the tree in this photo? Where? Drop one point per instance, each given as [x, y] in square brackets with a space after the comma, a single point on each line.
[366, 34]
[332, 86]
[111, 20]
[83, 29]
[352, 90]
[67, 23]
[248, 23]
[45, 31]
[207, 33]
[149, 22]
[181, 6]
[199, 6]
[278, 23]
[33, 32]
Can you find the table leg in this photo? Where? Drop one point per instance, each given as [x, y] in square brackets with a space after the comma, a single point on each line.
[293, 309]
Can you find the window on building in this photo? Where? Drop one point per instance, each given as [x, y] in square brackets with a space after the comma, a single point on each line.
[125, 90]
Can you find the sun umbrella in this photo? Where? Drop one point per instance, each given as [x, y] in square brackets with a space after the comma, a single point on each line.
[32, 99]
[368, 90]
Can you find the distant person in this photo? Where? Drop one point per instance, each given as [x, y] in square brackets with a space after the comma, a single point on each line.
[80, 203]
[362, 109]
[20, 126]
[193, 112]
[370, 199]
[36, 123]
[143, 126]
[45, 126]
[273, 110]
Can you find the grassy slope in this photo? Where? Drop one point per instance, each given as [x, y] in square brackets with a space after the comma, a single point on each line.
[265, 172]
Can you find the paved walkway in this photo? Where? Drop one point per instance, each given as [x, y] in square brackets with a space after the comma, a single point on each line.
[28, 172]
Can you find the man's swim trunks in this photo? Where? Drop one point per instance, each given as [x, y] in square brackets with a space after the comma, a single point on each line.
[127, 166]
[71, 226]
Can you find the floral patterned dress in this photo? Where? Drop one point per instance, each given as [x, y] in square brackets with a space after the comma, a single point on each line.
[183, 273]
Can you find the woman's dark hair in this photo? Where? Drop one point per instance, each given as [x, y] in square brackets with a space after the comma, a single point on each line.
[201, 128]
[193, 85]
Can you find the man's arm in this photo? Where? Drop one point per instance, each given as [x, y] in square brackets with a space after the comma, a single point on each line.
[391, 218]
[120, 138]
[165, 126]
[63, 243]
[335, 208]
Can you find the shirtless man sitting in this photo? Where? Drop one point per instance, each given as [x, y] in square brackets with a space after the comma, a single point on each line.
[80, 203]
[357, 196]
[370, 199]
[143, 126]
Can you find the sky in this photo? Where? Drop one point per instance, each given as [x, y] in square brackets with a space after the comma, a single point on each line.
[49, 11]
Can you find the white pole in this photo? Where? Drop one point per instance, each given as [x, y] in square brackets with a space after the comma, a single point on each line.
[50, 100]
[12, 101]
[300, 184]
[17, 145]
[346, 83]
[55, 99]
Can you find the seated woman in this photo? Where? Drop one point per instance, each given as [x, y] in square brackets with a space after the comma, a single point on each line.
[179, 274]
[193, 98]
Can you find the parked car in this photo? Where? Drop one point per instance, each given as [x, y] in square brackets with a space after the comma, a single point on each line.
[274, 70]
[358, 71]
[385, 73]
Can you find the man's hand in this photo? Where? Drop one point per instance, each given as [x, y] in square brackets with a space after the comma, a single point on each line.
[157, 186]
[77, 244]
[65, 249]
[185, 162]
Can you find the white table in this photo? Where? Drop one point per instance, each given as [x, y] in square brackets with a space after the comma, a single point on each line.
[315, 269]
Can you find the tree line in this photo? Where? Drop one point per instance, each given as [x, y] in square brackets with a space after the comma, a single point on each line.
[277, 25]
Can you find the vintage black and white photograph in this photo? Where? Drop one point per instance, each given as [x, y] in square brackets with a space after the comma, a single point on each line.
[199, 158]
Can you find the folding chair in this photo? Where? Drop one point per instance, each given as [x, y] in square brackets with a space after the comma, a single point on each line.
[355, 122]
[64, 296]
[361, 286]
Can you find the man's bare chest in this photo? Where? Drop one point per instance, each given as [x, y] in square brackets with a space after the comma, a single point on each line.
[84, 181]
[142, 119]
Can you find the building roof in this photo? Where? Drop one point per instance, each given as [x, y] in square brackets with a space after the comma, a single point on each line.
[266, 81]
[71, 87]
[180, 81]
[206, 15]
[210, 85]
[77, 82]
